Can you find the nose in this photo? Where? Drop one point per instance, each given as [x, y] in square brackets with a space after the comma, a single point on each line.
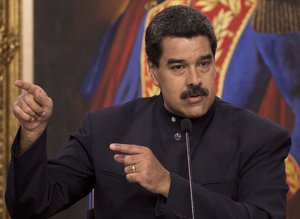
[194, 77]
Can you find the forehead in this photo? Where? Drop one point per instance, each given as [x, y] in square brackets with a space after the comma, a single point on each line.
[184, 48]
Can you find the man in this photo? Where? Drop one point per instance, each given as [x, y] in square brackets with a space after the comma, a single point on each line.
[134, 156]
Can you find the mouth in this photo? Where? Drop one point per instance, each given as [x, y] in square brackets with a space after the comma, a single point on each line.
[194, 99]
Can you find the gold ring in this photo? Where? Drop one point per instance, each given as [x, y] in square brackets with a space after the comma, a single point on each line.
[133, 168]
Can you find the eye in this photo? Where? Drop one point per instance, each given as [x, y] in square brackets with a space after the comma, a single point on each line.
[177, 67]
[204, 65]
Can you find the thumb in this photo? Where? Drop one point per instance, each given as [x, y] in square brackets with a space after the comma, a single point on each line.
[41, 97]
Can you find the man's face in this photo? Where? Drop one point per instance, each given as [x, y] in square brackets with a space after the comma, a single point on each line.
[186, 75]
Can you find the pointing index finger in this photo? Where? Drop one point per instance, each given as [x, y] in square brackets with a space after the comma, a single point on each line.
[39, 95]
[28, 87]
[126, 148]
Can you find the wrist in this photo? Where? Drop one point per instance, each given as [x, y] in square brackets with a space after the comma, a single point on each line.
[28, 138]
[166, 185]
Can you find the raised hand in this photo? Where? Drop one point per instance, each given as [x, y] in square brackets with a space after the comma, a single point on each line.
[32, 108]
[141, 166]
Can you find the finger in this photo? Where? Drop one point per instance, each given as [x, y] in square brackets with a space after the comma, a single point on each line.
[20, 104]
[32, 104]
[21, 115]
[38, 93]
[119, 158]
[131, 169]
[25, 107]
[132, 159]
[127, 148]
[28, 87]
[41, 97]
[132, 177]
[127, 159]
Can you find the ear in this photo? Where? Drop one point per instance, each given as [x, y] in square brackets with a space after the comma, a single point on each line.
[153, 70]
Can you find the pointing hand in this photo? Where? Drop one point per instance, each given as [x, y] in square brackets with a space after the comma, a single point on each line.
[32, 108]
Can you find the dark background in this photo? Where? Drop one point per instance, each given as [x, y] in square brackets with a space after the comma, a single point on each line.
[66, 36]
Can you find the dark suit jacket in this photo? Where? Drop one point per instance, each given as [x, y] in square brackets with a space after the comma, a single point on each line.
[237, 163]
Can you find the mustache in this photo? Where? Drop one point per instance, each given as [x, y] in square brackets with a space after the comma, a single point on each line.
[193, 91]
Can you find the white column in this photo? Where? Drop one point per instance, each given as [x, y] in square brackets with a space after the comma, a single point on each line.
[27, 40]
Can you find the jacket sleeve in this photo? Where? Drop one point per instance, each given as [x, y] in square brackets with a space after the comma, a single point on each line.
[261, 189]
[38, 188]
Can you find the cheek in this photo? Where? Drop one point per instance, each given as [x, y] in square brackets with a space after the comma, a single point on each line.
[171, 84]
[172, 92]
[210, 80]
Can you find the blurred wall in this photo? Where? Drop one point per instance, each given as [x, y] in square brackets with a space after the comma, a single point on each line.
[66, 35]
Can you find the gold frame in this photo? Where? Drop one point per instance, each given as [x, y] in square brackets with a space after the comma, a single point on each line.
[10, 70]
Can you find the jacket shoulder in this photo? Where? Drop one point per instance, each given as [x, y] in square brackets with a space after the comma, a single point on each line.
[124, 113]
[243, 117]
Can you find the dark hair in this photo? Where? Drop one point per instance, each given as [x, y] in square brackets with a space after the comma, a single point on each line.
[177, 21]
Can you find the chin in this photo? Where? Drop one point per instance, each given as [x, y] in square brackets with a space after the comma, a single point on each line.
[189, 111]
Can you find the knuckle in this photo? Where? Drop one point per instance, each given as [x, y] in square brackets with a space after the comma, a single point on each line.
[26, 97]
[126, 160]
[148, 151]
[50, 102]
[15, 111]
[37, 87]
[28, 100]
[148, 156]
[134, 159]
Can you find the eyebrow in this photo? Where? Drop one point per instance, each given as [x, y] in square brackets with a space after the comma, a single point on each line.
[208, 56]
[176, 61]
